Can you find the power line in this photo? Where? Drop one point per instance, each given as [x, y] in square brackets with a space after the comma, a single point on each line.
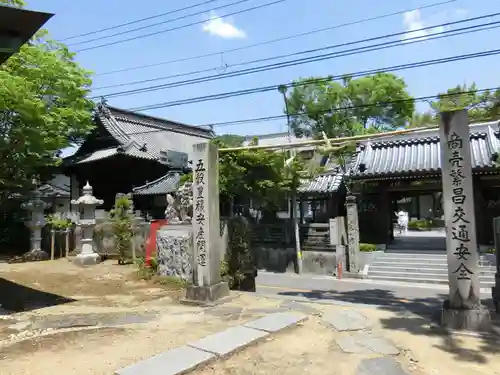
[295, 62]
[330, 110]
[179, 27]
[318, 80]
[338, 26]
[369, 105]
[359, 41]
[139, 20]
[160, 23]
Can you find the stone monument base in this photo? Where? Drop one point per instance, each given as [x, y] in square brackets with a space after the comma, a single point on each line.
[35, 255]
[175, 251]
[476, 319]
[87, 259]
[206, 294]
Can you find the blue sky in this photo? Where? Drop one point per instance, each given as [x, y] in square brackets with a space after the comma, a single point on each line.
[284, 19]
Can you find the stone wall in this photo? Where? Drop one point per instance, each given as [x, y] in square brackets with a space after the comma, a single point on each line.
[104, 239]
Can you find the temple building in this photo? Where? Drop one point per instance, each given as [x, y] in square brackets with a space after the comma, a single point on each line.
[132, 152]
[404, 172]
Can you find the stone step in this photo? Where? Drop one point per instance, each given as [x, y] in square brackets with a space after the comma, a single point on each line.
[415, 254]
[437, 262]
[411, 263]
[386, 260]
[416, 276]
[412, 269]
[405, 279]
[413, 250]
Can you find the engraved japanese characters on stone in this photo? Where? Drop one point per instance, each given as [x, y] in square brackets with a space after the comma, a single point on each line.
[199, 213]
[460, 230]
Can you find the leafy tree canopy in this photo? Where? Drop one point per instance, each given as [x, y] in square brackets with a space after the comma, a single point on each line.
[257, 175]
[43, 109]
[483, 106]
[321, 106]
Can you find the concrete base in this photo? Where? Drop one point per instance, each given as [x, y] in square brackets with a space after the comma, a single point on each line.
[36, 255]
[87, 259]
[477, 319]
[206, 294]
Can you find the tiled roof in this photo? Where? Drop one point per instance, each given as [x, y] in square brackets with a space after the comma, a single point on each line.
[166, 184]
[328, 183]
[145, 136]
[421, 152]
[49, 191]
[130, 149]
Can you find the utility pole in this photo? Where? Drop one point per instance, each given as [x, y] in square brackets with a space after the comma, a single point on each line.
[293, 210]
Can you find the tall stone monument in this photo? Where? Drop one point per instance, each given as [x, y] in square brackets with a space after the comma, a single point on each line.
[208, 251]
[87, 204]
[463, 309]
[352, 233]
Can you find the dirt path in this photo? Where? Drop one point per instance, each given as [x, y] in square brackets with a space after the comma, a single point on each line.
[54, 284]
[96, 320]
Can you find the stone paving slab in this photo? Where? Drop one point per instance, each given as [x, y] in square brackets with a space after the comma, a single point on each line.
[297, 306]
[176, 361]
[346, 320]
[276, 322]
[380, 366]
[228, 341]
[366, 343]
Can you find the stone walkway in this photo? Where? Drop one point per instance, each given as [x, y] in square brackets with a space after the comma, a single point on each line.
[267, 319]
[357, 339]
[247, 334]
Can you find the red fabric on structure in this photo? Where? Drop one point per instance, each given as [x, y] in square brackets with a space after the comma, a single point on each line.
[151, 241]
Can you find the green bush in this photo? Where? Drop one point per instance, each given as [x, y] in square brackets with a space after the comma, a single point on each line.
[238, 262]
[422, 224]
[122, 222]
[57, 223]
[367, 247]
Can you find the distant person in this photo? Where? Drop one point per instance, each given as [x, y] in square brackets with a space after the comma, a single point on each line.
[402, 221]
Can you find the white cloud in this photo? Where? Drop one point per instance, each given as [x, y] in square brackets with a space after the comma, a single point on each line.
[413, 22]
[221, 27]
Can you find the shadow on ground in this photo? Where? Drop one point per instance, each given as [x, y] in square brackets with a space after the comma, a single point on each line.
[16, 297]
[418, 316]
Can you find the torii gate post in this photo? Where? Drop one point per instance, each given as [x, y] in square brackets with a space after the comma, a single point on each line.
[208, 250]
[463, 309]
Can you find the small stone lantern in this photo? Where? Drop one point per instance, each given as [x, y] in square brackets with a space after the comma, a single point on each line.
[36, 206]
[87, 203]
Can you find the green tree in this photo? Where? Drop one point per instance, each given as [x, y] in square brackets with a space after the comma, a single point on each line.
[43, 109]
[420, 120]
[483, 106]
[348, 108]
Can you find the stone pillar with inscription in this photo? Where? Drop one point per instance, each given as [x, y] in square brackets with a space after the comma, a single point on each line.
[352, 233]
[208, 250]
[463, 309]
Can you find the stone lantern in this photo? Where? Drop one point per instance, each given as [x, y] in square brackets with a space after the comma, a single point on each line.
[36, 206]
[87, 204]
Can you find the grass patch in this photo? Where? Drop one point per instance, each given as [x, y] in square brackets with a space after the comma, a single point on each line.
[423, 224]
[150, 273]
[367, 247]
